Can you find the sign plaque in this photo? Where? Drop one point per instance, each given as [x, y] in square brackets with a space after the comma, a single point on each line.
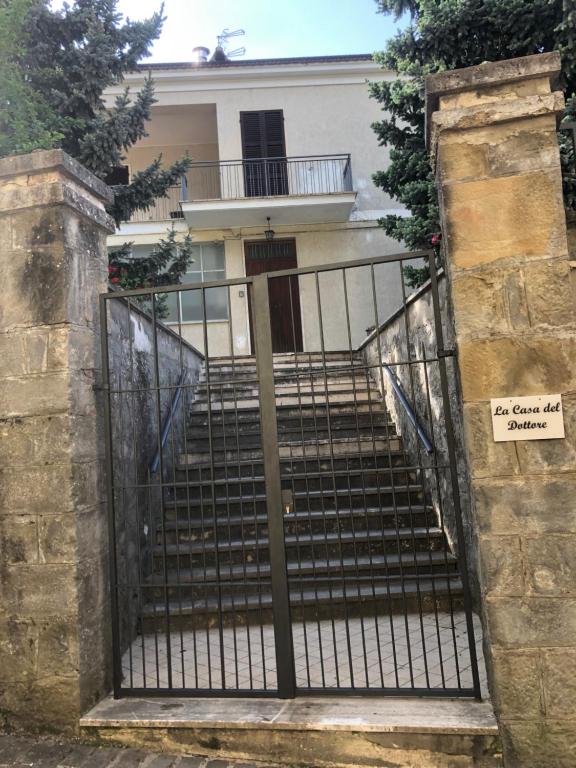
[527, 418]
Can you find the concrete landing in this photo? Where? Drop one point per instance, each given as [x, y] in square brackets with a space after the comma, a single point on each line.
[324, 732]
[377, 715]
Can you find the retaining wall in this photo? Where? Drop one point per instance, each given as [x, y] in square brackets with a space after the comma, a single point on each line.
[136, 433]
[409, 335]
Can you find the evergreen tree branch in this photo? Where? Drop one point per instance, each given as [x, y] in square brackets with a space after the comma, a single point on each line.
[450, 34]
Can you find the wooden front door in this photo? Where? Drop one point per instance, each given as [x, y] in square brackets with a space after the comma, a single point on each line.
[265, 256]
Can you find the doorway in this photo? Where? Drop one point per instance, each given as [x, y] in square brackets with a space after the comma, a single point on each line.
[264, 153]
[272, 256]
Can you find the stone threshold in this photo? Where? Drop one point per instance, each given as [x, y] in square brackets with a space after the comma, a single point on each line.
[351, 714]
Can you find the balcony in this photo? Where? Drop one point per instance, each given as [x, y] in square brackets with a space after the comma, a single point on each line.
[163, 209]
[291, 190]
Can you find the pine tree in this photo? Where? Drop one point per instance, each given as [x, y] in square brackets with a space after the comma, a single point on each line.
[165, 265]
[54, 68]
[167, 262]
[449, 34]
[27, 121]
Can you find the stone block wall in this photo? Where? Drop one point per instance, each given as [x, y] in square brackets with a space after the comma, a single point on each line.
[420, 381]
[492, 132]
[54, 601]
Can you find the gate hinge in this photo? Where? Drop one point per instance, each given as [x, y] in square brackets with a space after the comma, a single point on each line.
[446, 352]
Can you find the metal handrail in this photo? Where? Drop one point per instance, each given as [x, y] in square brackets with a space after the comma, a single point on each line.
[287, 158]
[286, 176]
[399, 392]
[153, 466]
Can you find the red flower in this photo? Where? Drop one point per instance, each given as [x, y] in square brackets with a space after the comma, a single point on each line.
[111, 270]
[114, 279]
[435, 239]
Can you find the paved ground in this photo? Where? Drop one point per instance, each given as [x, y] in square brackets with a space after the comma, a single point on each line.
[400, 651]
[19, 752]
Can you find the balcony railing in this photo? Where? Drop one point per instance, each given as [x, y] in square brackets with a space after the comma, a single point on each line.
[241, 179]
[269, 177]
[163, 209]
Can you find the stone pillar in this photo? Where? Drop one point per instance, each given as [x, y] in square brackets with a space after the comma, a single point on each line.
[492, 134]
[54, 613]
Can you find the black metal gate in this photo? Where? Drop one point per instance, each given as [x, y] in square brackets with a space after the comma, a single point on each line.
[292, 523]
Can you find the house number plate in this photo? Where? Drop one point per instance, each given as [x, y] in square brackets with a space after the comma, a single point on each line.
[527, 418]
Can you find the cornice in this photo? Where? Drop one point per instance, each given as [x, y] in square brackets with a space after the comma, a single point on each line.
[193, 78]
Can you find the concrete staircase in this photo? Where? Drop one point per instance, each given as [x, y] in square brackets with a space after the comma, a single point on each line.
[361, 531]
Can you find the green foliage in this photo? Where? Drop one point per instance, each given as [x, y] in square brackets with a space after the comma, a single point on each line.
[54, 68]
[397, 7]
[26, 120]
[450, 34]
[166, 265]
[145, 187]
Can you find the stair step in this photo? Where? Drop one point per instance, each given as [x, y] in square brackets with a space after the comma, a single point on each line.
[250, 418]
[348, 564]
[387, 534]
[247, 439]
[336, 426]
[294, 411]
[324, 477]
[314, 370]
[304, 495]
[342, 398]
[250, 389]
[298, 468]
[288, 358]
[395, 591]
[191, 523]
[343, 447]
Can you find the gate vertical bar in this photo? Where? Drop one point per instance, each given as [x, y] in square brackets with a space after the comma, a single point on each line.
[271, 457]
[116, 651]
[462, 559]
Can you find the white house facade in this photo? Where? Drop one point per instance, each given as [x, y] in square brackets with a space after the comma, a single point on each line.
[284, 145]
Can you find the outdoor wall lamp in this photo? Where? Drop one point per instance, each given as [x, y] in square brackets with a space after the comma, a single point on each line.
[269, 233]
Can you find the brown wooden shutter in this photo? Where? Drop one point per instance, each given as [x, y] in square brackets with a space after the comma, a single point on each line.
[274, 134]
[262, 134]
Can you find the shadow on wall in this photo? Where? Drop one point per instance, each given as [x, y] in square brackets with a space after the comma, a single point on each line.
[405, 346]
[571, 231]
[143, 391]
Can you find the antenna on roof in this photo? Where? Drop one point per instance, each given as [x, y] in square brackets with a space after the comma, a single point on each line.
[223, 38]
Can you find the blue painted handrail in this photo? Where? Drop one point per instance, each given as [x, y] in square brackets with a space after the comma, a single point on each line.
[153, 466]
[424, 439]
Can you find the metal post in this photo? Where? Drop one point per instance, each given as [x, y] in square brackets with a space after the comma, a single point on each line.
[267, 395]
[450, 441]
[116, 651]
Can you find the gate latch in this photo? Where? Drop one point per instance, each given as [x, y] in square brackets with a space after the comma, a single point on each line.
[287, 501]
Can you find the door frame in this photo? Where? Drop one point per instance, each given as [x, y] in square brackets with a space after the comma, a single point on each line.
[297, 316]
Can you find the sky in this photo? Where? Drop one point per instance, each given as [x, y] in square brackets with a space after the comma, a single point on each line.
[274, 28]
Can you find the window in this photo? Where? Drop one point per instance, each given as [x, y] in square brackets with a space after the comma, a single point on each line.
[208, 265]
